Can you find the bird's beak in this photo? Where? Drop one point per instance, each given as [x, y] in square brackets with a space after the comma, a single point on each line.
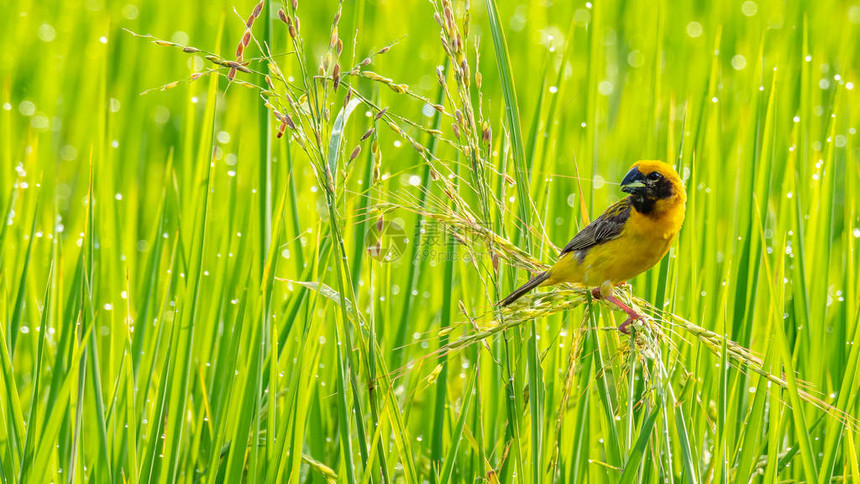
[633, 181]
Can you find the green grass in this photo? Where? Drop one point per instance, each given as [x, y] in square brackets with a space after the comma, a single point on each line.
[187, 297]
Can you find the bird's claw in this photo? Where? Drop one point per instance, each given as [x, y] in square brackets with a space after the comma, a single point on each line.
[625, 326]
[632, 314]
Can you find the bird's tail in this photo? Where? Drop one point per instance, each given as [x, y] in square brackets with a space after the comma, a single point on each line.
[522, 290]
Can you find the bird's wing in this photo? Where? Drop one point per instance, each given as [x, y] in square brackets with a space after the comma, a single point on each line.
[603, 229]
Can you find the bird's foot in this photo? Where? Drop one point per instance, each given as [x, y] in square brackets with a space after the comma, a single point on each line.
[625, 326]
[632, 314]
[603, 291]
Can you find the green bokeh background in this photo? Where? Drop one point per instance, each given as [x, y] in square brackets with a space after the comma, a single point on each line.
[755, 101]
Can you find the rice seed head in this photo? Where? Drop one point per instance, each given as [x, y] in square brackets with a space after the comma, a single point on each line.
[446, 47]
[246, 39]
[487, 134]
[368, 133]
[467, 18]
[283, 16]
[449, 18]
[300, 141]
[347, 98]
[281, 130]
[232, 74]
[339, 47]
[269, 83]
[365, 62]
[417, 146]
[298, 27]
[295, 4]
[336, 76]
[394, 127]
[289, 121]
[258, 9]
[190, 50]
[434, 375]
[240, 49]
[355, 152]
[440, 75]
[237, 65]
[332, 43]
[376, 154]
[380, 114]
[250, 22]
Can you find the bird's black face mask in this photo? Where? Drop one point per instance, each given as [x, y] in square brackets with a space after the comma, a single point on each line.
[646, 189]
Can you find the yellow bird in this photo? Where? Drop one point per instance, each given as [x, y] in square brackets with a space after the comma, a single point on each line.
[629, 238]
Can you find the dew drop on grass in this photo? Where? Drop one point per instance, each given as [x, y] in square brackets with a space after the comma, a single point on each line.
[130, 11]
[47, 33]
[27, 108]
[694, 29]
[605, 88]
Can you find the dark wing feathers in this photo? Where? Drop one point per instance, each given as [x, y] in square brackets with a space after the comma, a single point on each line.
[603, 229]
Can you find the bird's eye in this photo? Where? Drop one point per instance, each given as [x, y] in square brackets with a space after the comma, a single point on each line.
[654, 176]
